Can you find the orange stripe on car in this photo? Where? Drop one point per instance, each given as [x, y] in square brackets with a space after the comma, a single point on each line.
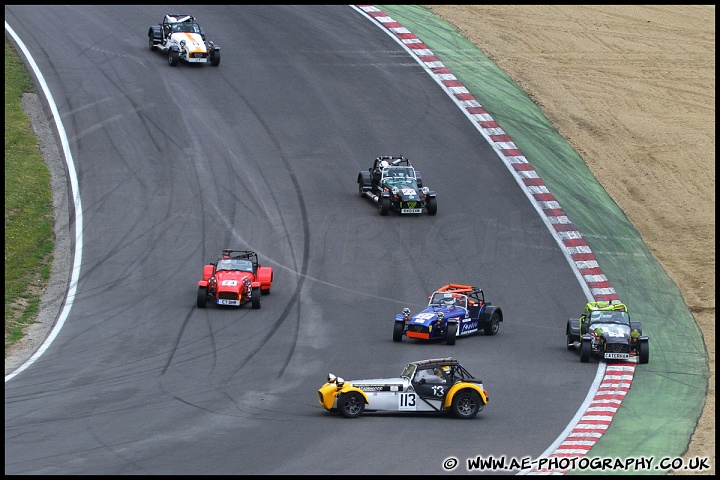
[418, 335]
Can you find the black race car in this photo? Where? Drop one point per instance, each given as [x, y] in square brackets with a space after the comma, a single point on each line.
[605, 330]
[394, 184]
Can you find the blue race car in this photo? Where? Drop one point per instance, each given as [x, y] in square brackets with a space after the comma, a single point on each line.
[453, 311]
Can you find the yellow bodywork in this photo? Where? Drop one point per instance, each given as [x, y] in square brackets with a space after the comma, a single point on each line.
[460, 386]
[330, 391]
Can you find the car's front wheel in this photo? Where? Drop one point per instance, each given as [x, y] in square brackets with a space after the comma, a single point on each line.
[643, 352]
[151, 44]
[493, 326]
[432, 206]
[466, 404]
[202, 297]
[173, 57]
[256, 297]
[585, 350]
[398, 330]
[384, 205]
[451, 333]
[351, 404]
[215, 58]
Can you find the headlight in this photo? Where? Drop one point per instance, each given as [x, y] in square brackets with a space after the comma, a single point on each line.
[395, 190]
[425, 190]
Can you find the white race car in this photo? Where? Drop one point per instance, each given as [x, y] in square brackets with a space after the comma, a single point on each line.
[182, 38]
[439, 385]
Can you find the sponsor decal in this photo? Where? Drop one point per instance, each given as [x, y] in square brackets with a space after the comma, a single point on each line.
[468, 327]
[372, 388]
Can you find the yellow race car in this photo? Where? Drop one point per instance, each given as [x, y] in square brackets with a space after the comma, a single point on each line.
[438, 385]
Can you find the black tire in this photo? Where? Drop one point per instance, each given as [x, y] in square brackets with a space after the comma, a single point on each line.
[360, 186]
[466, 404]
[585, 350]
[451, 333]
[569, 343]
[256, 297]
[643, 352]
[494, 325]
[351, 404]
[202, 297]
[215, 58]
[431, 205]
[398, 330]
[173, 58]
[384, 205]
[150, 41]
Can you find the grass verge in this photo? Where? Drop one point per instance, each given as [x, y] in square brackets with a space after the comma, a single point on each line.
[29, 237]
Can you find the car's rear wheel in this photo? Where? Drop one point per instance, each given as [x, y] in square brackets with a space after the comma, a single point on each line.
[493, 326]
[643, 352]
[398, 330]
[202, 297]
[431, 205]
[351, 404]
[215, 58]
[569, 342]
[384, 205]
[585, 350]
[451, 333]
[151, 44]
[466, 404]
[173, 57]
[256, 297]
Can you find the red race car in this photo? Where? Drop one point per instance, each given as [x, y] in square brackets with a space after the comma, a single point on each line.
[235, 279]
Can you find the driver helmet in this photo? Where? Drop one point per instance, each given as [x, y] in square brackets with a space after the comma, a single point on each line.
[384, 164]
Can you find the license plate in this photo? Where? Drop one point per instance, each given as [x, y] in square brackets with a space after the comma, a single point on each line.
[228, 302]
[617, 355]
[411, 210]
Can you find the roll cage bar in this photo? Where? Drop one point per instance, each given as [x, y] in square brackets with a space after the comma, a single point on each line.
[456, 370]
[240, 255]
[471, 292]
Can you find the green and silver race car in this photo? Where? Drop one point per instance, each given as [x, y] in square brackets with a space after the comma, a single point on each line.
[393, 184]
[605, 330]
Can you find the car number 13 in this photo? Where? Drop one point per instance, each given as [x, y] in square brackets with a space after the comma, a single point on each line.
[408, 401]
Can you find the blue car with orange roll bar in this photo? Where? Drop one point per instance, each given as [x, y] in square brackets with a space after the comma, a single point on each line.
[453, 311]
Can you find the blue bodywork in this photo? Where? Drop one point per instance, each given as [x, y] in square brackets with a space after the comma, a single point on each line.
[453, 311]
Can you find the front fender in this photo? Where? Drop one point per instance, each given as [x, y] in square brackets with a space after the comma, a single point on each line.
[265, 277]
[329, 394]
[208, 271]
[461, 386]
